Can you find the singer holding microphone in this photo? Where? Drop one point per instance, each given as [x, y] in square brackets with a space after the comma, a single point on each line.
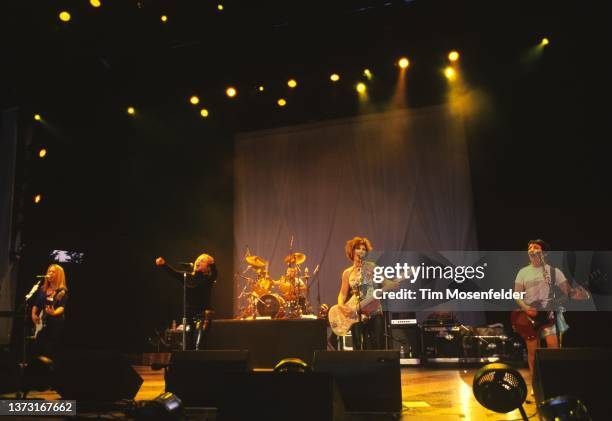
[48, 310]
[200, 277]
[357, 280]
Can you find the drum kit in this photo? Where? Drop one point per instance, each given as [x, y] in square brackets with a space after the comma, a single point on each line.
[284, 298]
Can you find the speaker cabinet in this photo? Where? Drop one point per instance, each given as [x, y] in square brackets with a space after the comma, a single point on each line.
[368, 381]
[203, 378]
[580, 372]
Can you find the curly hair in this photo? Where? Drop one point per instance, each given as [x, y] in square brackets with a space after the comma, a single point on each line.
[350, 246]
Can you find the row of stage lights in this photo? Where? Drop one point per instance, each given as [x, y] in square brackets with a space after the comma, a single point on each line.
[450, 72]
[65, 15]
[361, 88]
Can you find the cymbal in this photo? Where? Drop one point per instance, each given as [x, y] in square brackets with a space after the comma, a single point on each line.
[256, 261]
[295, 258]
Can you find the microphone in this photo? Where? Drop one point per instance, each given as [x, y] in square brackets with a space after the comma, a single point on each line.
[186, 264]
[41, 276]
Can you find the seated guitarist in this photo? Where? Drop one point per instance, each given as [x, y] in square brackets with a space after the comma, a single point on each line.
[357, 284]
[536, 280]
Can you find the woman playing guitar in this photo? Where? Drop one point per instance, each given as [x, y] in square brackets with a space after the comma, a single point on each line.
[48, 310]
[357, 280]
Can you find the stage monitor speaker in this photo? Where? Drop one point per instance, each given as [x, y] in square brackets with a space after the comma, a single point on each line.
[584, 373]
[202, 378]
[8, 373]
[368, 381]
[281, 396]
[95, 376]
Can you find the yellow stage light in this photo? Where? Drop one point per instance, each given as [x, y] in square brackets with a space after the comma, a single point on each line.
[95, 3]
[544, 42]
[194, 100]
[335, 77]
[42, 153]
[37, 198]
[403, 62]
[453, 56]
[64, 16]
[292, 83]
[261, 88]
[281, 102]
[231, 92]
[131, 111]
[37, 117]
[164, 18]
[450, 73]
[220, 7]
[361, 87]
[204, 112]
[367, 73]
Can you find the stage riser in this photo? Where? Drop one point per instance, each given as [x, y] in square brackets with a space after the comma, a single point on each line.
[269, 341]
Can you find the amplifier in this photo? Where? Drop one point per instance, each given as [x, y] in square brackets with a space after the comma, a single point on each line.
[442, 342]
[405, 337]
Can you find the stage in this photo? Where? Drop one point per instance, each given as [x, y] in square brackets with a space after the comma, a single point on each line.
[428, 393]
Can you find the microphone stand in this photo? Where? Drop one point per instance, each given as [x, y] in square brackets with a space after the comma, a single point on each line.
[21, 394]
[553, 295]
[184, 310]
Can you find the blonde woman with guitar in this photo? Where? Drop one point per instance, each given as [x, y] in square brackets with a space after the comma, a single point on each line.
[48, 310]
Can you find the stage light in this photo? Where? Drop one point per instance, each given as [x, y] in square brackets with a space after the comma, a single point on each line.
[95, 3]
[167, 407]
[367, 73]
[37, 198]
[220, 7]
[261, 88]
[194, 100]
[544, 42]
[292, 83]
[231, 92]
[42, 153]
[37, 117]
[361, 87]
[453, 56]
[164, 18]
[403, 63]
[334, 77]
[291, 365]
[131, 110]
[450, 73]
[500, 388]
[204, 112]
[64, 16]
[281, 102]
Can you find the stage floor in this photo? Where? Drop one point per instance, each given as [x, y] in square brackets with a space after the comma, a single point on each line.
[427, 394]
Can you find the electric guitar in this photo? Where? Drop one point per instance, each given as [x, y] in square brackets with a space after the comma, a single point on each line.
[529, 327]
[38, 327]
[341, 318]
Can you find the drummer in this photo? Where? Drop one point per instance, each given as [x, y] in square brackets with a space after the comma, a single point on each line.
[290, 285]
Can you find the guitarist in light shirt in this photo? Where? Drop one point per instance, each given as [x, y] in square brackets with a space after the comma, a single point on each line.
[49, 308]
[356, 286]
[532, 281]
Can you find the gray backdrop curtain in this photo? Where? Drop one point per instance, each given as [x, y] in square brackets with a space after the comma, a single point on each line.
[8, 279]
[400, 178]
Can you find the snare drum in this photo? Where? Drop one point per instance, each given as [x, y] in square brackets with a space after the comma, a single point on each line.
[272, 305]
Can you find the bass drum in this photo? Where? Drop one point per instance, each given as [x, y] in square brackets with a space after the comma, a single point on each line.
[272, 305]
